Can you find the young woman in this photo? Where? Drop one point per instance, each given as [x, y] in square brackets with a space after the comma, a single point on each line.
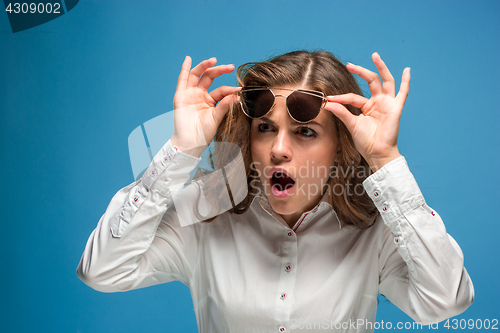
[331, 218]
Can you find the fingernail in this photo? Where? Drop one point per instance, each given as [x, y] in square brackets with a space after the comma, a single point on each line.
[330, 96]
[350, 64]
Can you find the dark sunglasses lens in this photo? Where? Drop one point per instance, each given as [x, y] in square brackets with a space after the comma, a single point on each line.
[257, 103]
[303, 106]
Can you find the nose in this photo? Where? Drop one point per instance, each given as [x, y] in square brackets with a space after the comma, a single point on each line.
[281, 149]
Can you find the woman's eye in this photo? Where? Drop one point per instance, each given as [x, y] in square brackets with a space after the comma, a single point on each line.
[264, 127]
[307, 132]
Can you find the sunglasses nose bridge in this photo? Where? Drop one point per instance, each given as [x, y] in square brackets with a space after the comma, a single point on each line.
[274, 103]
[286, 101]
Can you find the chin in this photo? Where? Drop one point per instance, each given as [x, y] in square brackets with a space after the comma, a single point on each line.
[283, 206]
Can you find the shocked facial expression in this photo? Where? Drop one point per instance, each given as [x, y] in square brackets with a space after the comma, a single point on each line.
[293, 160]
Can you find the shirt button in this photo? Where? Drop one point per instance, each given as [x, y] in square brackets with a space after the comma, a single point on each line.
[282, 329]
[288, 268]
[433, 214]
[153, 172]
[283, 296]
[396, 240]
[384, 209]
[375, 194]
[289, 234]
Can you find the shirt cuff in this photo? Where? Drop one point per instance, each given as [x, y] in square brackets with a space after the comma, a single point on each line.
[175, 162]
[166, 175]
[394, 190]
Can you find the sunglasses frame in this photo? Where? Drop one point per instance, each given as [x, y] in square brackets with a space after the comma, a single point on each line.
[314, 93]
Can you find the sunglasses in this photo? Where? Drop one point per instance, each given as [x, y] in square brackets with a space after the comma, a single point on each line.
[302, 105]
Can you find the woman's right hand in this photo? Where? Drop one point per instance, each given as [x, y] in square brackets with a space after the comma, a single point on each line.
[198, 113]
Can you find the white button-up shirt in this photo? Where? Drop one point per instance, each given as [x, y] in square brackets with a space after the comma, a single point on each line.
[252, 273]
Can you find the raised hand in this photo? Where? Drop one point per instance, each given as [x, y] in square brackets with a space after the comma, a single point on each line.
[375, 131]
[198, 113]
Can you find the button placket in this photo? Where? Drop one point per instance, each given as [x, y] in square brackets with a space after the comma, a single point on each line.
[287, 279]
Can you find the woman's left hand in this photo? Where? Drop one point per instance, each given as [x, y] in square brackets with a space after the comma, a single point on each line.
[375, 131]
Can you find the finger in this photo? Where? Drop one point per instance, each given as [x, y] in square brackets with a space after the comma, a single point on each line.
[405, 86]
[196, 72]
[210, 74]
[343, 114]
[183, 76]
[223, 91]
[367, 75]
[385, 74]
[350, 98]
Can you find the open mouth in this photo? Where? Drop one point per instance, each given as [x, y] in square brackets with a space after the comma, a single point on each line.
[281, 184]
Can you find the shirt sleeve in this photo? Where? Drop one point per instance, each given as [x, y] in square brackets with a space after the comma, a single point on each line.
[421, 266]
[138, 241]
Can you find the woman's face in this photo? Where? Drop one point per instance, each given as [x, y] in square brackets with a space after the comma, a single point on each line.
[293, 160]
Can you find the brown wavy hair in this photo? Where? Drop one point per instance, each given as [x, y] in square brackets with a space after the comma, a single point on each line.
[320, 71]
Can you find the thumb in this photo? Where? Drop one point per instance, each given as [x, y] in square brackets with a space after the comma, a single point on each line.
[222, 108]
[343, 114]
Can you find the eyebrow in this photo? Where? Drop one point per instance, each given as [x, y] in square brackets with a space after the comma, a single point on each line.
[293, 122]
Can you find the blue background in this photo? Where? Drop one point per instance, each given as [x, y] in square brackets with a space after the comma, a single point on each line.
[73, 89]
